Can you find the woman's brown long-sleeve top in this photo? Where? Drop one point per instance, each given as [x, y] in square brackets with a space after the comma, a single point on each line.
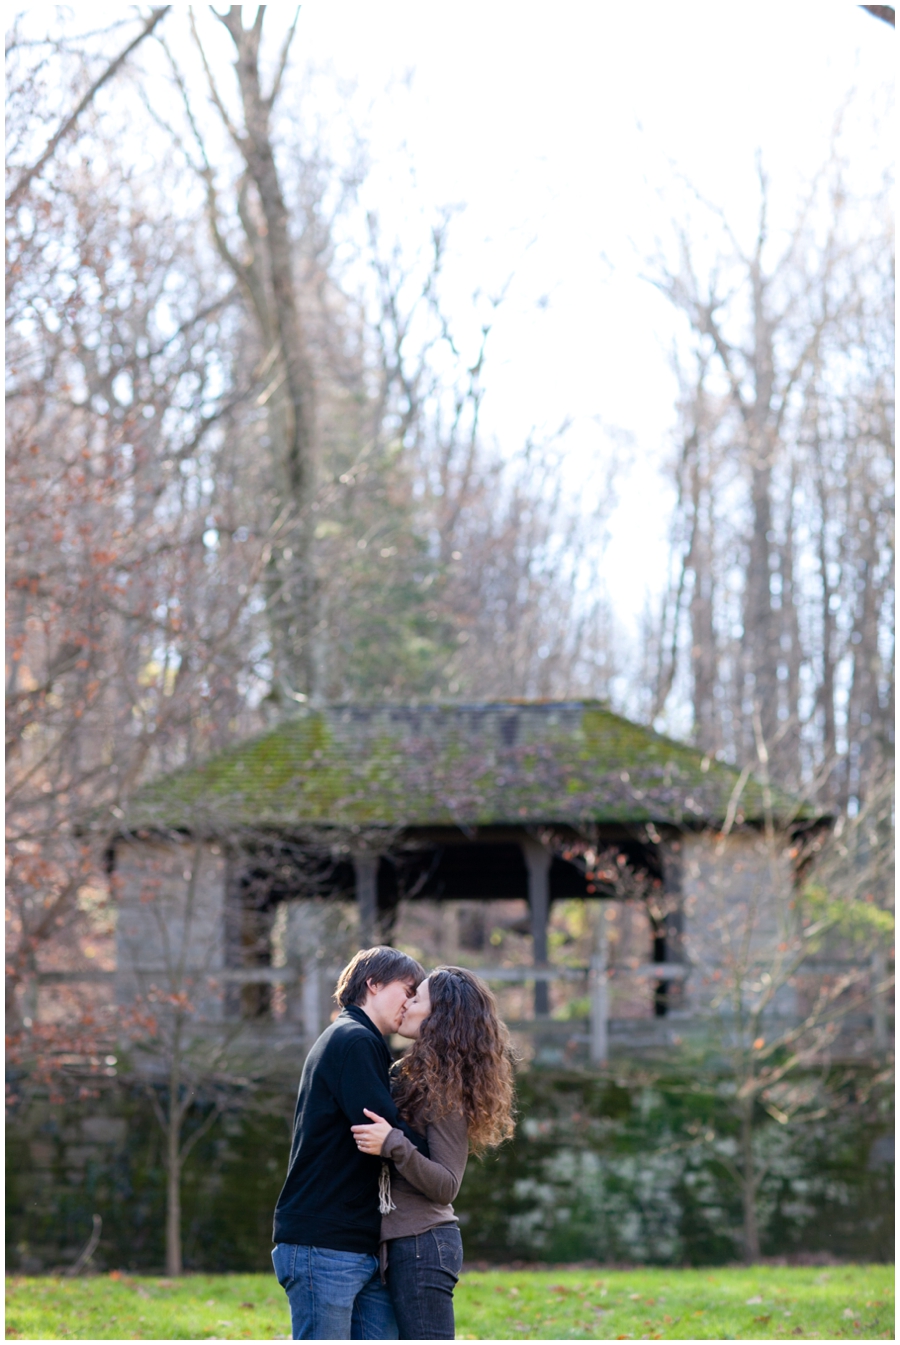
[423, 1188]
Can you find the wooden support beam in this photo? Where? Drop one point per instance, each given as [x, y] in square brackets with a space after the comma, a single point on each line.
[87, 976]
[657, 971]
[537, 861]
[530, 973]
[257, 975]
[311, 1001]
[673, 926]
[599, 1030]
[365, 865]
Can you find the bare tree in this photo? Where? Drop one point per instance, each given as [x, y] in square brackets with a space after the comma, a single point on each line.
[171, 957]
[787, 937]
[151, 541]
[27, 175]
[779, 602]
[417, 578]
[511, 569]
[130, 596]
[256, 245]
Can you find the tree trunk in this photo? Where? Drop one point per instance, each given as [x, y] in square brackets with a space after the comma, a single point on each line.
[749, 1185]
[863, 694]
[829, 637]
[174, 1159]
[173, 1198]
[760, 665]
[704, 660]
[788, 750]
[292, 584]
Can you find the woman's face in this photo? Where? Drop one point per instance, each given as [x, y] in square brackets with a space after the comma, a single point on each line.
[417, 1010]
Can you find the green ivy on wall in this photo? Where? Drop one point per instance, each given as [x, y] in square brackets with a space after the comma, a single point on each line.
[600, 1169]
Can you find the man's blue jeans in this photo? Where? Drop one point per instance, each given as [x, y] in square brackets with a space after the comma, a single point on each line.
[334, 1295]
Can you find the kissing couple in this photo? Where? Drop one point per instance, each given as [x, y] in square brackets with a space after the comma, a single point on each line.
[367, 1246]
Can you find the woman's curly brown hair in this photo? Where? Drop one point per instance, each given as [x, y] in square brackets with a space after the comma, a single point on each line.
[461, 1061]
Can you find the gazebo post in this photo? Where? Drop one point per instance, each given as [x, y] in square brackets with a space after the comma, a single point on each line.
[599, 992]
[537, 861]
[311, 1001]
[674, 920]
[365, 865]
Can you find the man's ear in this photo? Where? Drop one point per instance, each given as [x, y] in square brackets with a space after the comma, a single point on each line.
[372, 987]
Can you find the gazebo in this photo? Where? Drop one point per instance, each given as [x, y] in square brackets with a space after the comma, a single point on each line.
[386, 805]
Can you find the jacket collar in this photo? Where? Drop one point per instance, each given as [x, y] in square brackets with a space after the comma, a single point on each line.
[360, 1016]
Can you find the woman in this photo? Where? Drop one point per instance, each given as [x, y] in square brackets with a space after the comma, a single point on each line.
[455, 1085]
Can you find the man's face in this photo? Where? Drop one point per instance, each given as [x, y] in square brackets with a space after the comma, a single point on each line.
[416, 1011]
[385, 1004]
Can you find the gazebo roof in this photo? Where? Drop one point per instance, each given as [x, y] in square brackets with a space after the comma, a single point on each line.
[508, 762]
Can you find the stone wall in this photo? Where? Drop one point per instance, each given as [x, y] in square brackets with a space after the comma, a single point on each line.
[731, 888]
[600, 1169]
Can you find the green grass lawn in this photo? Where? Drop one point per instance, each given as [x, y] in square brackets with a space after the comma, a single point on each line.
[842, 1302]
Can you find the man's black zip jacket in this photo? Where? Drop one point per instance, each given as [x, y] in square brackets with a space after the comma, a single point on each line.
[330, 1196]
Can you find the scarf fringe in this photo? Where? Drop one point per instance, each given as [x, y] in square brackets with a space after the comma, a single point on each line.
[385, 1203]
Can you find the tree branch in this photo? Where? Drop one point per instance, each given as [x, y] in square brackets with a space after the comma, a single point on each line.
[158, 1111]
[201, 1130]
[29, 174]
[885, 12]
[282, 62]
[213, 90]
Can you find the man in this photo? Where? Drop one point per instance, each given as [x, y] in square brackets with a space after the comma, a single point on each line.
[327, 1219]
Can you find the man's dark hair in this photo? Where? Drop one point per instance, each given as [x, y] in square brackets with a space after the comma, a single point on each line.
[381, 965]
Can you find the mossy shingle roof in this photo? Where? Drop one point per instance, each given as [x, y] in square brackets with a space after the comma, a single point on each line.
[505, 762]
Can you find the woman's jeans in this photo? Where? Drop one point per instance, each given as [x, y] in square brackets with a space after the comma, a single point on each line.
[422, 1274]
[333, 1295]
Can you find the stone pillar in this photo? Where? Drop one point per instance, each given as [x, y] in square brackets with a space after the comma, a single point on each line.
[365, 864]
[537, 861]
[600, 991]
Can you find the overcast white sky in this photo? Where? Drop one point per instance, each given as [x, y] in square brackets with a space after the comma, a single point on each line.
[565, 131]
[560, 127]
